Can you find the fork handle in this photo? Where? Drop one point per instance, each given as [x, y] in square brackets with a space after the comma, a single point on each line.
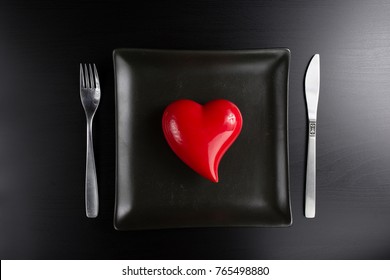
[91, 187]
[310, 197]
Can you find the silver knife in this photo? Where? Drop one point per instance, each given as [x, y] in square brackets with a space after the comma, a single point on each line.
[312, 90]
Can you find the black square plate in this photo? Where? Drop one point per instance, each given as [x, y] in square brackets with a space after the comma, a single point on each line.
[154, 188]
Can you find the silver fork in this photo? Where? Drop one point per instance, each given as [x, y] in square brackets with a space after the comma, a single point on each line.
[90, 98]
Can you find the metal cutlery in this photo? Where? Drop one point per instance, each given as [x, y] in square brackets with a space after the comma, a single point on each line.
[90, 98]
[312, 90]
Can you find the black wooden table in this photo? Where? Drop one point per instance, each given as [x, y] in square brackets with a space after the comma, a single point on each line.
[42, 125]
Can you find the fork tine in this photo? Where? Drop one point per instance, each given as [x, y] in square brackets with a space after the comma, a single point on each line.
[82, 84]
[86, 76]
[91, 76]
[97, 83]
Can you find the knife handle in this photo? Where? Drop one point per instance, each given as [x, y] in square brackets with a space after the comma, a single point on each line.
[310, 200]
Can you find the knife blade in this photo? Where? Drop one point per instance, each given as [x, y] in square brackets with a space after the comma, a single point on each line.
[312, 91]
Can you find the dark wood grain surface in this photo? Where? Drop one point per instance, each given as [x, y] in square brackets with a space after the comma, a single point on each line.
[42, 125]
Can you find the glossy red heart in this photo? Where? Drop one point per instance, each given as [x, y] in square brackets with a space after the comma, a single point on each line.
[201, 134]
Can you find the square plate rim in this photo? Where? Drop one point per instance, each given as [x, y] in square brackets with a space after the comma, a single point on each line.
[286, 52]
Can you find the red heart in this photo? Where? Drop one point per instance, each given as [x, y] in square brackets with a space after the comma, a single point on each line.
[200, 135]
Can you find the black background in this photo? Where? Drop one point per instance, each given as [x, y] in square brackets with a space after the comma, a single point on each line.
[42, 125]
